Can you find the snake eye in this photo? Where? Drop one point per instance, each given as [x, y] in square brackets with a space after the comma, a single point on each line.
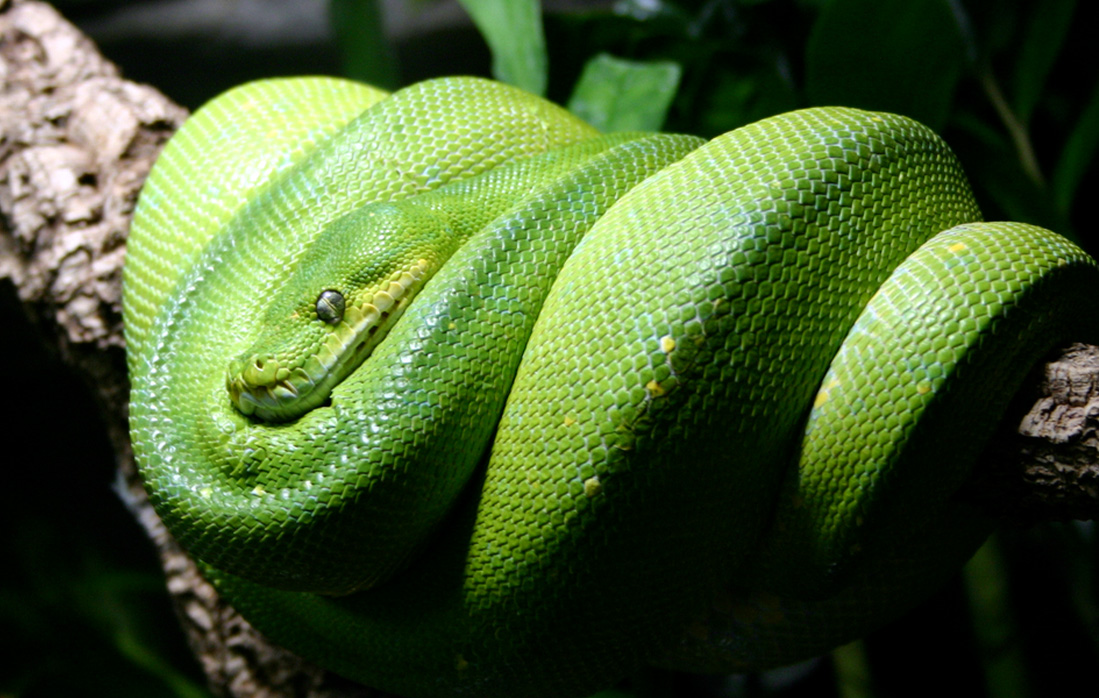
[330, 306]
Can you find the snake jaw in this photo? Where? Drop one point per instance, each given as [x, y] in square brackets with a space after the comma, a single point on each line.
[259, 386]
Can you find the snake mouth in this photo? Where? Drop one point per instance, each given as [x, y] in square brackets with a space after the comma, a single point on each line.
[281, 386]
[260, 386]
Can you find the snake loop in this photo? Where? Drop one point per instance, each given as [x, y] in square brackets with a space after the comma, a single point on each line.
[454, 395]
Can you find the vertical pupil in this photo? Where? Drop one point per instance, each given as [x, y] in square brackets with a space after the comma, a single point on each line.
[330, 305]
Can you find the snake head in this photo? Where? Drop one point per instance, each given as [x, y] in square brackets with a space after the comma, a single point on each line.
[348, 290]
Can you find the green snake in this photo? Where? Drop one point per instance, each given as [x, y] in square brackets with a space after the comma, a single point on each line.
[452, 394]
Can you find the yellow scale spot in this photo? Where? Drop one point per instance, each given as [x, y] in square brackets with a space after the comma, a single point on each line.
[258, 489]
[592, 486]
[569, 421]
[206, 492]
[958, 247]
[825, 392]
[667, 344]
[923, 388]
[654, 388]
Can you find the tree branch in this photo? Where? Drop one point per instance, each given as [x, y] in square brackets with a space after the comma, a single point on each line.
[76, 143]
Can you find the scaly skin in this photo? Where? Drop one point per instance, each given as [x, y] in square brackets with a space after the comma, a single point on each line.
[460, 397]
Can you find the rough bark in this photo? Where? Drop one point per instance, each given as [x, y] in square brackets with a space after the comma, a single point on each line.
[1043, 463]
[76, 142]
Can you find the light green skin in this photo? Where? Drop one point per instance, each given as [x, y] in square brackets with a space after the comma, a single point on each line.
[757, 376]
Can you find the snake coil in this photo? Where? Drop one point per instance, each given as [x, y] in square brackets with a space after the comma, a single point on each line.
[454, 395]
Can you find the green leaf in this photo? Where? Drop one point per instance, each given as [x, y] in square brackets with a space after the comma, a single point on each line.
[365, 52]
[1046, 29]
[903, 57]
[732, 98]
[613, 94]
[513, 31]
[852, 668]
[1078, 154]
[994, 624]
[998, 178]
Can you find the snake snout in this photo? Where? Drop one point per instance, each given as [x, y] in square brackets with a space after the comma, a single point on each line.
[260, 386]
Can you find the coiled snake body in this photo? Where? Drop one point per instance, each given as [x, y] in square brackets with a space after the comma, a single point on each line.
[452, 394]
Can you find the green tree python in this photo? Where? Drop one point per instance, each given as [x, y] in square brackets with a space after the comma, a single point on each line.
[454, 395]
